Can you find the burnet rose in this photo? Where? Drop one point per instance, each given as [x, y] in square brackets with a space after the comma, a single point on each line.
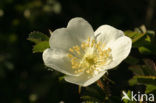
[83, 55]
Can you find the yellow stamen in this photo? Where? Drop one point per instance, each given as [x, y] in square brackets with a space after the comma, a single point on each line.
[89, 61]
[70, 56]
[71, 50]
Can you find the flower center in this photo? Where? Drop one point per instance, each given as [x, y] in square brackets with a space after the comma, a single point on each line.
[90, 60]
[89, 57]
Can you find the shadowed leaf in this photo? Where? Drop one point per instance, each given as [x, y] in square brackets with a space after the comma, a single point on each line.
[37, 37]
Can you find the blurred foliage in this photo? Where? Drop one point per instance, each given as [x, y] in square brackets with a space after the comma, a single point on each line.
[25, 79]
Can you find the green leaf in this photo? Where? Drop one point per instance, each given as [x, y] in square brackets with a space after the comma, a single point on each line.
[134, 35]
[37, 37]
[148, 69]
[144, 50]
[145, 80]
[133, 81]
[144, 75]
[40, 47]
[150, 88]
[143, 39]
[138, 36]
[131, 34]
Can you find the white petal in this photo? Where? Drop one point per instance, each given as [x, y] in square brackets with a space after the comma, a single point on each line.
[77, 31]
[58, 60]
[84, 79]
[107, 34]
[81, 28]
[120, 50]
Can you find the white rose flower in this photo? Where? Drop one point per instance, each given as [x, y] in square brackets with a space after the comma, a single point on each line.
[84, 55]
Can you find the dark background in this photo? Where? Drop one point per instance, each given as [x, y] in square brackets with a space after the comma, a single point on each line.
[23, 77]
